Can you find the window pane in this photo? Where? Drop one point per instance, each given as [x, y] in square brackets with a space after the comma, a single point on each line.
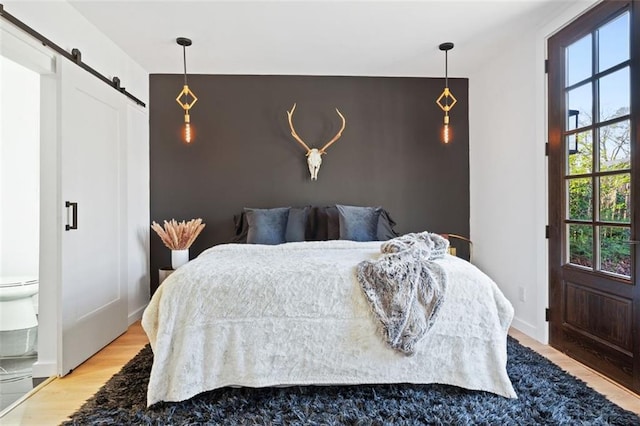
[579, 60]
[615, 92]
[580, 195]
[613, 42]
[580, 245]
[615, 250]
[615, 146]
[580, 153]
[615, 196]
[580, 102]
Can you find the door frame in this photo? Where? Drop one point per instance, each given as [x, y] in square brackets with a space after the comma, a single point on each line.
[22, 49]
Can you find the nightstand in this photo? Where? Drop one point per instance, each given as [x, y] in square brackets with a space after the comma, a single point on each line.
[163, 273]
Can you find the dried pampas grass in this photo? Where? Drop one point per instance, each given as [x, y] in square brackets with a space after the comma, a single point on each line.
[178, 235]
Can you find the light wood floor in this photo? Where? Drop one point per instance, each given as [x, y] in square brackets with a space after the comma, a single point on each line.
[54, 402]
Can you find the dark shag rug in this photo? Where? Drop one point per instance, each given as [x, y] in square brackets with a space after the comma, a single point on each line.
[546, 395]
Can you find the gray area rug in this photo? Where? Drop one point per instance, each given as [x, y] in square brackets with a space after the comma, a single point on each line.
[546, 395]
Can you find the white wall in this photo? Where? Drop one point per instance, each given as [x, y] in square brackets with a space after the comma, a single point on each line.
[61, 23]
[507, 119]
[138, 210]
[19, 170]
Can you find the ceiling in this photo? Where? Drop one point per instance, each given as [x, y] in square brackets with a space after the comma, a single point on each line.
[358, 38]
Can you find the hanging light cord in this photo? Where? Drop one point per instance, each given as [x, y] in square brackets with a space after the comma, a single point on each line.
[446, 74]
[184, 59]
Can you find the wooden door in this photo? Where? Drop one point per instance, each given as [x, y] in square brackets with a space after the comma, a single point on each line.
[93, 287]
[594, 190]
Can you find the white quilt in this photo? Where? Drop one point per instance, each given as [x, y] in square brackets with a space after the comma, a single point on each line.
[294, 314]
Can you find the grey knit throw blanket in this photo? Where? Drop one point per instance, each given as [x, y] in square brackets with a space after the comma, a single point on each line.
[405, 288]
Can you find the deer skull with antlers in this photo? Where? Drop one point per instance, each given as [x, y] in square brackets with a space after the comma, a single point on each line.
[314, 155]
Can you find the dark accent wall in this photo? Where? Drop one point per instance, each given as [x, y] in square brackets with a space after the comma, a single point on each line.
[390, 153]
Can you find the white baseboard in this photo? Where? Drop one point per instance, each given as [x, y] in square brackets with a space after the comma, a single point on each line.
[45, 369]
[529, 330]
[136, 315]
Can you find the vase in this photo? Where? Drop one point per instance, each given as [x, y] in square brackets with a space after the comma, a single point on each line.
[179, 258]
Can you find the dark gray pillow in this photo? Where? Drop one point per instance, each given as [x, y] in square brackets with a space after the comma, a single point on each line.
[241, 228]
[323, 224]
[267, 226]
[358, 223]
[296, 224]
[333, 223]
[385, 227]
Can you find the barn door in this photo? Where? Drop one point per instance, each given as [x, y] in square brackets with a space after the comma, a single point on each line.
[594, 190]
[94, 296]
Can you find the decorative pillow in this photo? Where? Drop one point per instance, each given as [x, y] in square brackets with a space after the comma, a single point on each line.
[241, 228]
[385, 226]
[333, 223]
[296, 224]
[318, 224]
[358, 223]
[323, 224]
[267, 226]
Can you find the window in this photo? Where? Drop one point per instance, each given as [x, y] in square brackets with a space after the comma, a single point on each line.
[597, 135]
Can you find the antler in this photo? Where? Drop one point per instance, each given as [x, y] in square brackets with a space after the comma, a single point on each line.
[337, 136]
[293, 131]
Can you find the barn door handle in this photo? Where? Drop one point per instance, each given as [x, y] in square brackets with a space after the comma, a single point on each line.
[74, 215]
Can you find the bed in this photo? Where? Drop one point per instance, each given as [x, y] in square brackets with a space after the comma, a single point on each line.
[260, 315]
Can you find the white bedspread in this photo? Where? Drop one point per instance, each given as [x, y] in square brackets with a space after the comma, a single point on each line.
[294, 314]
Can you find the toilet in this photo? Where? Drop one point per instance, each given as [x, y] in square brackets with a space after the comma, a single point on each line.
[18, 320]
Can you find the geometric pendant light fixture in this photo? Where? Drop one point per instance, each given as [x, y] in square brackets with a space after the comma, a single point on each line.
[446, 100]
[186, 98]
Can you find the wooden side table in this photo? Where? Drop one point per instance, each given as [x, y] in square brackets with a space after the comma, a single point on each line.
[453, 251]
[163, 273]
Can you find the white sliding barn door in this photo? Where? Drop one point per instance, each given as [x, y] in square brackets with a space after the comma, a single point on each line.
[93, 176]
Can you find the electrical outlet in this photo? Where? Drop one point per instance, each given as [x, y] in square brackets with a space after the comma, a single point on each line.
[522, 296]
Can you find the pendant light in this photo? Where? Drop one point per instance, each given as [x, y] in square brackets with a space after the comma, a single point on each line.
[446, 100]
[186, 93]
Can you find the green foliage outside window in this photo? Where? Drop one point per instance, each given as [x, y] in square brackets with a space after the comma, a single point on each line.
[614, 198]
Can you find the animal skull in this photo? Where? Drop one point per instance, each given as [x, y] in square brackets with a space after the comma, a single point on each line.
[314, 160]
[314, 155]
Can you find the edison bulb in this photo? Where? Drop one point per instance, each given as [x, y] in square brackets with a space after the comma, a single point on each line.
[187, 133]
